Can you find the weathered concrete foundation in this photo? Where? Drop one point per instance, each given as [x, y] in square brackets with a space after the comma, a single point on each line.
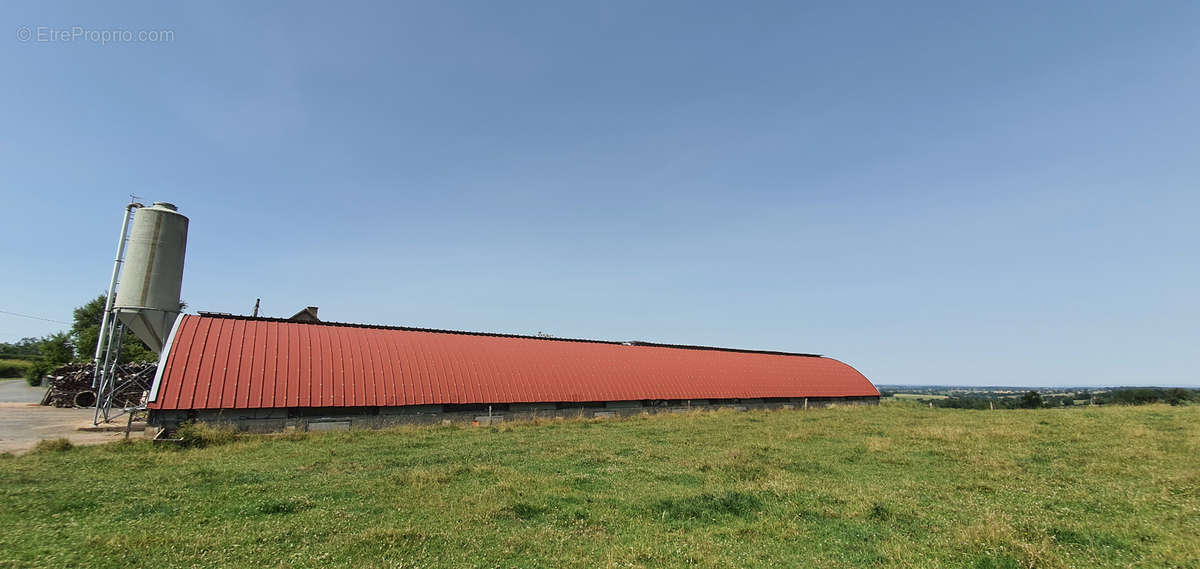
[344, 418]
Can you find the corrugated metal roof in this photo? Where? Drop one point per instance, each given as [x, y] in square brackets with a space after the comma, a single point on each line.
[217, 362]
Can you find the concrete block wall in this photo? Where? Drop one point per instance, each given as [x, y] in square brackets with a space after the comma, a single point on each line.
[277, 420]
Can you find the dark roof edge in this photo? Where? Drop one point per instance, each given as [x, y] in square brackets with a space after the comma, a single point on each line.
[227, 316]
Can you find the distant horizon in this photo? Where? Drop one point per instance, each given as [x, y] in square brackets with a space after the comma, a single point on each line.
[731, 348]
[1035, 387]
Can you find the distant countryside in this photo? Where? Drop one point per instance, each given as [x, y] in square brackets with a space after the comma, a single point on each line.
[974, 397]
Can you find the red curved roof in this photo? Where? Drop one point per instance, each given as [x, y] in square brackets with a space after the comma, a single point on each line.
[216, 362]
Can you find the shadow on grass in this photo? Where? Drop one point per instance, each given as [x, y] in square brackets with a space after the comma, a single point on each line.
[708, 507]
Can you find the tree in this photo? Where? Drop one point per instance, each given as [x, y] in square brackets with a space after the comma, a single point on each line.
[1179, 396]
[53, 351]
[57, 348]
[1032, 400]
[86, 330]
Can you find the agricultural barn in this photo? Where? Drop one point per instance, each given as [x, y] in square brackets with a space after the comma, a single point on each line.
[272, 374]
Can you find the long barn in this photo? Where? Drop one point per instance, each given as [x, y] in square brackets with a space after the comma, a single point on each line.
[271, 374]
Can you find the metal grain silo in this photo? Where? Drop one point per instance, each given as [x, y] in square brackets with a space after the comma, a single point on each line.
[148, 296]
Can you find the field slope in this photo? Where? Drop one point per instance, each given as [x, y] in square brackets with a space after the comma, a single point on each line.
[892, 486]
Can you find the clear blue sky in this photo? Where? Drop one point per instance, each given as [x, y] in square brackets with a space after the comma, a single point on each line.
[989, 193]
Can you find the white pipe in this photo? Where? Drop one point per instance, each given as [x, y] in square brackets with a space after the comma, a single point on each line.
[112, 286]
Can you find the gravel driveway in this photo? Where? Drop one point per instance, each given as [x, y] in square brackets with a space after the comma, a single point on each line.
[23, 422]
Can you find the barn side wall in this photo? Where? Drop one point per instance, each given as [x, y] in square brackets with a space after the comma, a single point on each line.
[344, 418]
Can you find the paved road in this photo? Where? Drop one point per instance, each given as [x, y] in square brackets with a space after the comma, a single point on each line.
[18, 391]
[23, 422]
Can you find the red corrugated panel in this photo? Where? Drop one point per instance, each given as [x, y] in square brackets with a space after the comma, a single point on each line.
[219, 364]
[258, 352]
[222, 362]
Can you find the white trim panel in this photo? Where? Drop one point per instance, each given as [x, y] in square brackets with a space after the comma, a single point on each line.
[162, 359]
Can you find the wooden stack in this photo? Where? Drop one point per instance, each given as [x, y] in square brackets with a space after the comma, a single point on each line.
[71, 384]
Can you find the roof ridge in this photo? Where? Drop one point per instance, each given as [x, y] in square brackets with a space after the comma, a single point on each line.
[228, 316]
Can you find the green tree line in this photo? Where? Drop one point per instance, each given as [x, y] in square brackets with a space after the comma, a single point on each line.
[47, 353]
[1035, 400]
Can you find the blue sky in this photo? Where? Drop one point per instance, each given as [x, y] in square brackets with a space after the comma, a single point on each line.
[939, 193]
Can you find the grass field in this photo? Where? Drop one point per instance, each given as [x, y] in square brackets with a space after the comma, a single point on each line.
[892, 486]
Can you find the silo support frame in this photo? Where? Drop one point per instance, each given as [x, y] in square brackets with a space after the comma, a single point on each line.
[113, 383]
[106, 373]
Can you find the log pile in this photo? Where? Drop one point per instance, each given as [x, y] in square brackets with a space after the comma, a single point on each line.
[71, 384]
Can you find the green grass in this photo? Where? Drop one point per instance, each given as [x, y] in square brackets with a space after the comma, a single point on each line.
[892, 486]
